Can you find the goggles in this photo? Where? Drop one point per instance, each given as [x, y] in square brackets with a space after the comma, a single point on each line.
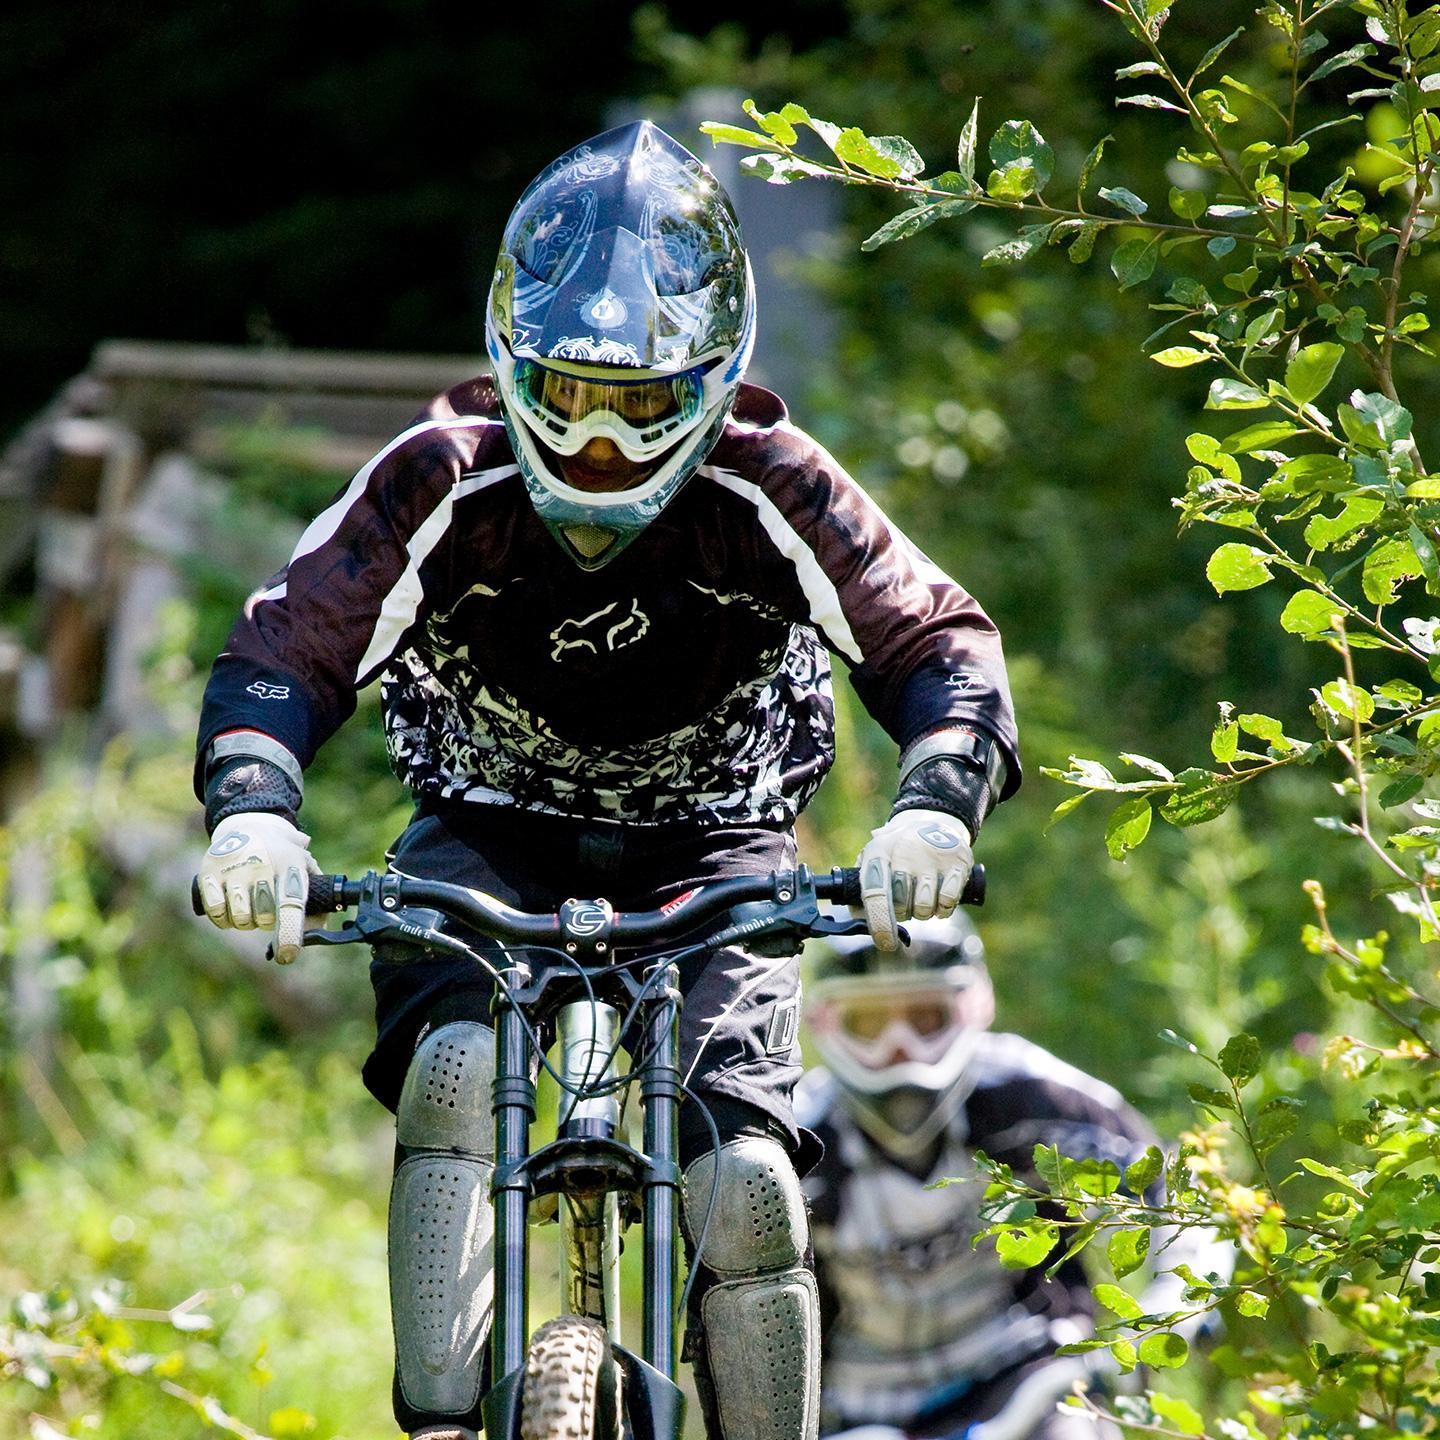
[643, 417]
[916, 1019]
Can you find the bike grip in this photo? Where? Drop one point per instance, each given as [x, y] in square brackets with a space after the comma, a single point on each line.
[974, 891]
[319, 899]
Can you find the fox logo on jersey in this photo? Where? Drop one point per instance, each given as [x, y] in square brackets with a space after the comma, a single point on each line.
[266, 691]
[609, 629]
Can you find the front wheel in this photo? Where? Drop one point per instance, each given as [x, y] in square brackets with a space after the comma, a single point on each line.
[572, 1383]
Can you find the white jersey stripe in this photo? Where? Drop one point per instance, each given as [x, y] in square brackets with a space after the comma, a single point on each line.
[820, 592]
[925, 568]
[400, 607]
[323, 527]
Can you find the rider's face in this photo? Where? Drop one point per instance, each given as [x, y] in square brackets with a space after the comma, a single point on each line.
[601, 468]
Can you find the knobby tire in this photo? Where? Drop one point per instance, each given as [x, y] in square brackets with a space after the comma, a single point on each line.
[572, 1383]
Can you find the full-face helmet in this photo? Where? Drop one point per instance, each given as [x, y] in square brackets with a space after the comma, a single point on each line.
[622, 307]
[899, 1031]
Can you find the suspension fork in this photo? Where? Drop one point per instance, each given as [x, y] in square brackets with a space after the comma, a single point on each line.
[660, 1099]
[514, 1107]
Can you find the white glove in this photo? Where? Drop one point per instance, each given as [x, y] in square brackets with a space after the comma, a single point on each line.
[255, 875]
[915, 865]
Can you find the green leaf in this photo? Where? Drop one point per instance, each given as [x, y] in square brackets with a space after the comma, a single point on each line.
[1164, 1352]
[1150, 102]
[887, 157]
[1311, 370]
[1220, 245]
[1227, 394]
[1309, 473]
[1240, 1058]
[1188, 204]
[1237, 567]
[1387, 567]
[779, 169]
[1118, 1301]
[1092, 161]
[1261, 436]
[1215, 52]
[1211, 1097]
[1083, 244]
[1308, 613]
[1018, 141]
[1128, 826]
[735, 135]
[1066, 806]
[1324, 530]
[1202, 797]
[1249, 1302]
[1030, 239]
[1348, 701]
[776, 123]
[1277, 1121]
[1180, 1414]
[1134, 261]
[1126, 1250]
[1141, 1174]
[1353, 56]
[1399, 791]
[965, 155]
[1123, 199]
[1424, 549]
[1021, 1247]
[1374, 421]
[1225, 741]
[911, 222]
[1263, 727]
[1177, 357]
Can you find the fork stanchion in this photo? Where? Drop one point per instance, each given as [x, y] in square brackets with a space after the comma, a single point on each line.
[514, 1096]
[660, 1104]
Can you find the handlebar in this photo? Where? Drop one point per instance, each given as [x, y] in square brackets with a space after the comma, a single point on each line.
[583, 920]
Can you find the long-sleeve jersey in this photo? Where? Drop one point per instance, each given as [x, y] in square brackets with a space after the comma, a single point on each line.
[913, 1315]
[687, 679]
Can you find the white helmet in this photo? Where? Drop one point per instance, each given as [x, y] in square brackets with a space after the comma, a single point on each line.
[899, 1031]
[622, 306]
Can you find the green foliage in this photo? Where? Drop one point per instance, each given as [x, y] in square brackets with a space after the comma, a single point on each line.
[1290, 268]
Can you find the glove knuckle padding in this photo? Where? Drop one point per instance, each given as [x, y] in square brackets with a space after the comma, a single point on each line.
[761, 1317]
[441, 1224]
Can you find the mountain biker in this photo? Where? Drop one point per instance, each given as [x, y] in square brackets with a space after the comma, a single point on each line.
[924, 1333]
[598, 590]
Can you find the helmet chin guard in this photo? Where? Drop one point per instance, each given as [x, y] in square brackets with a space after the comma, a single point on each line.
[622, 307]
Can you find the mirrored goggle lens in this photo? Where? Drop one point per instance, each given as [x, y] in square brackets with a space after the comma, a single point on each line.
[648, 409]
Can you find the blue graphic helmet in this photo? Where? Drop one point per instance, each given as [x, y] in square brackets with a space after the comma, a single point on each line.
[622, 307]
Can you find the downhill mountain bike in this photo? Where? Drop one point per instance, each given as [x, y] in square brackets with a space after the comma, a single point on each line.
[604, 981]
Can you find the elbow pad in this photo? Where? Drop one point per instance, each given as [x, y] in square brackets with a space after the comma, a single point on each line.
[960, 772]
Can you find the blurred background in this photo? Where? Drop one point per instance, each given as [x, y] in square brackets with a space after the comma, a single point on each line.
[240, 246]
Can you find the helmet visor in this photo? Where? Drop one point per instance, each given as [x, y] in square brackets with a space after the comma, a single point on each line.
[643, 417]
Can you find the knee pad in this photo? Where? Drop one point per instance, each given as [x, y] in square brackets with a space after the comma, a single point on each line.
[441, 1225]
[760, 1315]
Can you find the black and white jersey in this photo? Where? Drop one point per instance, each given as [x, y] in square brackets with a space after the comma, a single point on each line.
[914, 1316]
[687, 679]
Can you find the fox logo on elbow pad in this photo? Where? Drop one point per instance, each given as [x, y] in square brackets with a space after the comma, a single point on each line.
[609, 629]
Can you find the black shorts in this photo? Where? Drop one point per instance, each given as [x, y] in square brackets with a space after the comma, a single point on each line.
[739, 1017]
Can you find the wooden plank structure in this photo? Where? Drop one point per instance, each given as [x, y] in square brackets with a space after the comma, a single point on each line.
[104, 496]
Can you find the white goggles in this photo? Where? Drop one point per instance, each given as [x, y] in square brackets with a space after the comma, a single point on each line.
[905, 1019]
[643, 417]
